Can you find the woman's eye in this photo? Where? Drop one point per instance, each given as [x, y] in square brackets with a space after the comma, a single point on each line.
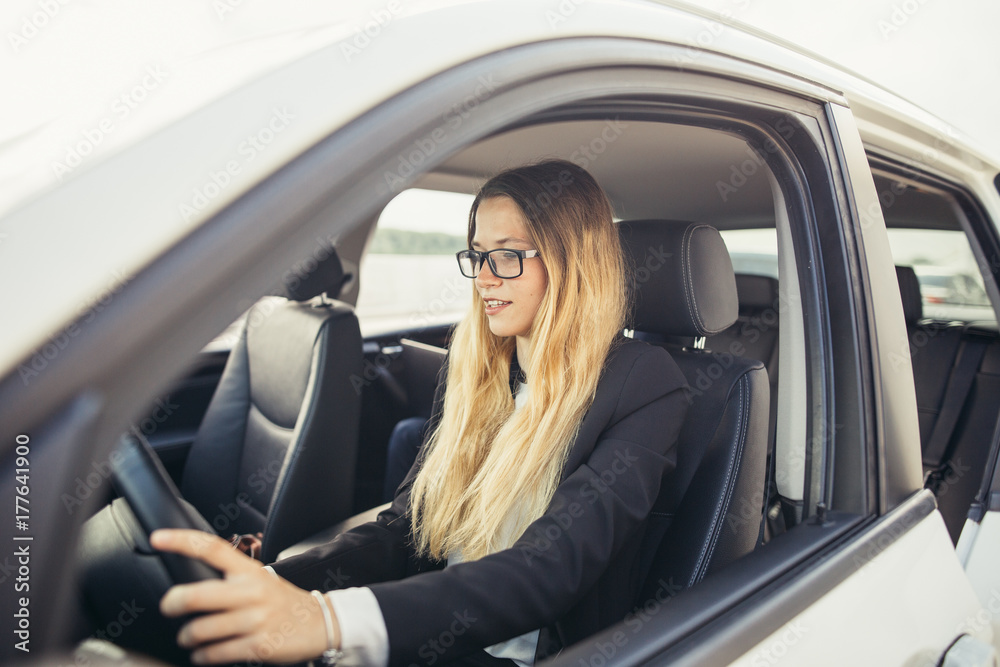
[508, 255]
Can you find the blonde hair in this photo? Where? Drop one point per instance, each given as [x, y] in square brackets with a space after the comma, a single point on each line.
[487, 471]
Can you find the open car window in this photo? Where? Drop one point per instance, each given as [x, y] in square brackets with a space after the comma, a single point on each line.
[409, 277]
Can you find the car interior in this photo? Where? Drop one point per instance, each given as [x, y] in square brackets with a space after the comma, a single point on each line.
[281, 425]
[954, 346]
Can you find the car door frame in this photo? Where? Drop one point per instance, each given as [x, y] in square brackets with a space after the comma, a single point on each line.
[193, 289]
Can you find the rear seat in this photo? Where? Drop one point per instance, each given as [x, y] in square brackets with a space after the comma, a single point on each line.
[933, 348]
[957, 419]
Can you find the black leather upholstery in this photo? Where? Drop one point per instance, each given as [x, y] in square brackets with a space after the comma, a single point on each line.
[323, 273]
[933, 350]
[683, 281]
[936, 352]
[710, 507]
[277, 447]
[909, 290]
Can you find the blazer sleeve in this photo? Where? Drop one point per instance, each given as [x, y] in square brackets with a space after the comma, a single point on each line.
[376, 551]
[598, 506]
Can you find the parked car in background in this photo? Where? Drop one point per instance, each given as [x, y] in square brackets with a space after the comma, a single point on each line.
[879, 524]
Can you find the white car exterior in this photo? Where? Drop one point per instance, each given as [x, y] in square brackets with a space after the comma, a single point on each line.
[83, 241]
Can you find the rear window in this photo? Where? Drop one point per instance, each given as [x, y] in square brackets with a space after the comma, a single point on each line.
[951, 285]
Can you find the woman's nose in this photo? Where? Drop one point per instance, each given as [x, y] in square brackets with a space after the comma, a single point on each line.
[486, 276]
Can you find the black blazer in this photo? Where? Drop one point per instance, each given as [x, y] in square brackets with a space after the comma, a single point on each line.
[574, 571]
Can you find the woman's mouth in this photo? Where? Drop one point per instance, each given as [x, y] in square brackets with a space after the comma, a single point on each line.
[494, 306]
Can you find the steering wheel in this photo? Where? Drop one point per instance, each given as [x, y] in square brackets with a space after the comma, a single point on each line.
[120, 574]
[141, 479]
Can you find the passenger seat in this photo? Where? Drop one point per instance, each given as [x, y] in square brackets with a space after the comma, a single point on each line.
[956, 373]
[276, 450]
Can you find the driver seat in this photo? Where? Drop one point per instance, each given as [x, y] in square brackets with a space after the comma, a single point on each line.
[275, 452]
[710, 507]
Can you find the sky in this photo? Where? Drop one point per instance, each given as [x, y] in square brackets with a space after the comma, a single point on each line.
[66, 63]
[942, 56]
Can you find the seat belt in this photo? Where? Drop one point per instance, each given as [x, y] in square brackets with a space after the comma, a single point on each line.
[955, 394]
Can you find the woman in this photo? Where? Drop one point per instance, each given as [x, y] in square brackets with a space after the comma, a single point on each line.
[518, 528]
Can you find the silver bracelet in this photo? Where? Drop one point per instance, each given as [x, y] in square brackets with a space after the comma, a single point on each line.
[331, 656]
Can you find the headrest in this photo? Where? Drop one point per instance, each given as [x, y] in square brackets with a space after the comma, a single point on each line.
[756, 292]
[682, 277]
[909, 291]
[320, 272]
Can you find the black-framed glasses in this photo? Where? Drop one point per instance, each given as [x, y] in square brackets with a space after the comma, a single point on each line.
[504, 262]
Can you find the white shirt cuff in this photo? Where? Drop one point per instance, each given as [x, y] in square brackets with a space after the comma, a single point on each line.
[363, 636]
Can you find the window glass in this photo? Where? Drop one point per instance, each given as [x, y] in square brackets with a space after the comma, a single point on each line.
[753, 251]
[409, 276]
[950, 283]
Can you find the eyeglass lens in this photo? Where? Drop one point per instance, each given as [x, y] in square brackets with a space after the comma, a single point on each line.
[503, 263]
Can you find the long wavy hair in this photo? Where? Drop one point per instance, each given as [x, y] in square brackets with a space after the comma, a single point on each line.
[489, 471]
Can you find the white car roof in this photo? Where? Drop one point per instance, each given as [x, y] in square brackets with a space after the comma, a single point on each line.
[307, 68]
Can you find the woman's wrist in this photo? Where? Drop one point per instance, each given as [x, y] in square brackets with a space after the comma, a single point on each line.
[332, 655]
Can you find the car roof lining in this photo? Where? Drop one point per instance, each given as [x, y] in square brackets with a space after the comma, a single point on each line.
[649, 169]
[908, 204]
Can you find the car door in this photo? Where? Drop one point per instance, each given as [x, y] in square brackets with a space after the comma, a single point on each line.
[979, 550]
[842, 585]
[849, 471]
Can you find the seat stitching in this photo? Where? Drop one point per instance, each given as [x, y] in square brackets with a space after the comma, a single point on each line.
[738, 456]
[709, 546]
[294, 451]
[692, 305]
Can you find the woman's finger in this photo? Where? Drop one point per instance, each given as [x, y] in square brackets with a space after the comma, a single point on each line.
[237, 649]
[214, 628]
[259, 638]
[211, 549]
[214, 595]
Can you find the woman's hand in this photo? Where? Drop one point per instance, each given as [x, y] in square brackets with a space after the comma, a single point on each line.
[248, 615]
